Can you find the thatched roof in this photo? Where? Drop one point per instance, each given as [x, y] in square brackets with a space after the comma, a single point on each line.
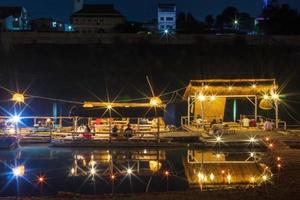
[231, 87]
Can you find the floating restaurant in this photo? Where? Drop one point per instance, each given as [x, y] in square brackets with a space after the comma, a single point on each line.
[207, 103]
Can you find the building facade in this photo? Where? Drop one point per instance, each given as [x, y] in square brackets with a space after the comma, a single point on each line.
[13, 18]
[166, 18]
[47, 25]
[95, 18]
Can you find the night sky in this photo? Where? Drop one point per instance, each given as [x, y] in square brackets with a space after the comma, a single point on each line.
[141, 10]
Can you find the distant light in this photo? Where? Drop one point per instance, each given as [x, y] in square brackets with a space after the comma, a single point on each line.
[230, 88]
[271, 145]
[279, 166]
[112, 177]
[236, 22]
[145, 151]
[166, 31]
[167, 173]
[73, 171]
[267, 139]
[48, 120]
[206, 87]
[278, 158]
[41, 179]
[19, 171]
[18, 97]
[212, 176]
[218, 155]
[254, 86]
[266, 97]
[251, 154]
[252, 179]
[223, 171]
[129, 171]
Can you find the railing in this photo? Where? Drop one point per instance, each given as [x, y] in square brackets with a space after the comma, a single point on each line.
[281, 124]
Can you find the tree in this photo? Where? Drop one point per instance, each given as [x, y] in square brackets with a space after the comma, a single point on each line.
[209, 21]
[280, 19]
[186, 23]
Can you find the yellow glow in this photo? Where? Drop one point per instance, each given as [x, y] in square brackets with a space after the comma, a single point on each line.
[129, 171]
[155, 101]
[88, 105]
[206, 87]
[266, 97]
[201, 97]
[212, 176]
[72, 171]
[17, 97]
[218, 155]
[219, 139]
[154, 165]
[265, 177]
[201, 177]
[109, 106]
[251, 154]
[275, 96]
[252, 179]
[278, 158]
[93, 171]
[167, 173]
[230, 88]
[11, 130]
[19, 170]
[112, 177]
[212, 98]
[254, 86]
[229, 178]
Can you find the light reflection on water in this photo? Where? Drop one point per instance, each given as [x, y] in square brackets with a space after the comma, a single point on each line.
[102, 171]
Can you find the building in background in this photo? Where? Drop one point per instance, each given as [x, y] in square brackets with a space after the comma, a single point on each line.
[47, 25]
[166, 18]
[13, 18]
[95, 18]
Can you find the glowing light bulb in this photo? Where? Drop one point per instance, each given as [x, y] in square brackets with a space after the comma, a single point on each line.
[254, 86]
[112, 177]
[201, 97]
[219, 139]
[230, 88]
[265, 177]
[266, 97]
[218, 155]
[278, 158]
[109, 106]
[251, 154]
[212, 176]
[19, 171]
[167, 173]
[252, 179]
[129, 171]
[212, 98]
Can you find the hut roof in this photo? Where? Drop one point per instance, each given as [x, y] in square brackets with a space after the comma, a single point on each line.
[230, 87]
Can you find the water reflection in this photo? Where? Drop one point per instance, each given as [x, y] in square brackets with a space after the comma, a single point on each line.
[215, 169]
[102, 171]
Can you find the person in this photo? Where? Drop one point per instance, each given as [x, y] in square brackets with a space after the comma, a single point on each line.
[87, 134]
[213, 122]
[114, 131]
[198, 121]
[128, 132]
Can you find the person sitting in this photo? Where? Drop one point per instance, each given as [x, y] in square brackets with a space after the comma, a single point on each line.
[87, 133]
[128, 133]
[114, 131]
[213, 122]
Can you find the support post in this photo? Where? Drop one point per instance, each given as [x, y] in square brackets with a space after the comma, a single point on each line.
[276, 114]
[255, 109]
[188, 111]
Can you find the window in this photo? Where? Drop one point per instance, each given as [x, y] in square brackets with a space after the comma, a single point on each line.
[169, 18]
[162, 19]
